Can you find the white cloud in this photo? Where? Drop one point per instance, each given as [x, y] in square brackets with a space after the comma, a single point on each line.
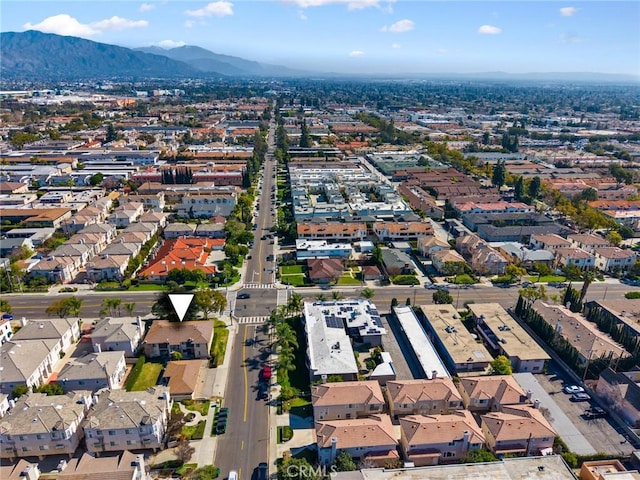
[351, 4]
[119, 23]
[395, 45]
[568, 11]
[64, 24]
[145, 7]
[189, 24]
[400, 26]
[356, 53]
[301, 15]
[570, 38]
[217, 9]
[170, 44]
[489, 30]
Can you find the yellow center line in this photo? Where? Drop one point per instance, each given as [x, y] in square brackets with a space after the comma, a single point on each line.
[242, 445]
[246, 378]
[240, 473]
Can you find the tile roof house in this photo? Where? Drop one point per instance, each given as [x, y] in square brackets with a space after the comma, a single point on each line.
[126, 214]
[118, 334]
[396, 262]
[57, 269]
[588, 242]
[434, 439]
[484, 258]
[490, 393]
[183, 377]
[444, 259]
[519, 429]
[127, 466]
[108, 267]
[42, 425]
[20, 470]
[189, 253]
[325, 270]
[192, 339]
[345, 400]
[123, 420]
[372, 439]
[428, 245]
[614, 258]
[549, 241]
[423, 397]
[93, 371]
[575, 256]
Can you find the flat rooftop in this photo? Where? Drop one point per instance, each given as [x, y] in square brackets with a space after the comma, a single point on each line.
[446, 324]
[517, 342]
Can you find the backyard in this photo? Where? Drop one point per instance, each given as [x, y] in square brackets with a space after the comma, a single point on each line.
[143, 375]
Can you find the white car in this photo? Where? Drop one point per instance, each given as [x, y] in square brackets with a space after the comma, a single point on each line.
[571, 389]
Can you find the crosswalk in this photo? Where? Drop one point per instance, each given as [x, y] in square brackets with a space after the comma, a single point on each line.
[247, 320]
[258, 285]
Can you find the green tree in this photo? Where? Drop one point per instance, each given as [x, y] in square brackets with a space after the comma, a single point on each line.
[345, 463]
[96, 179]
[587, 277]
[543, 269]
[501, 365]
[514, 271]
[394, 302]
[589, 194]
[499, 174]
[65, 307]
[112, 135]
[111, 306]
[532, 293]
[367, 293]
[51, 389]
[572, 271]
[19, 390]
[210, 301]
[478, 456]
[130, 307]
[376, 253]
[163, 308]
[208, 472]
[321, 297]
[305, 139]
[534, 187]
[336, 295]
[614, 238]
[176, 355]
[442, 297]
[518, 188]
[292, 468]
[183, 450]
[5, 306]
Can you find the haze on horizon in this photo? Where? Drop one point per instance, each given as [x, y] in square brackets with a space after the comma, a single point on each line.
[363, 36]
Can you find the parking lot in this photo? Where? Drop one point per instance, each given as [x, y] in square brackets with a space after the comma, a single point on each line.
[602, 433]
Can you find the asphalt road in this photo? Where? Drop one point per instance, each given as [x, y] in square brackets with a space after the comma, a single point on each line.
[246, 441]
[263, 300]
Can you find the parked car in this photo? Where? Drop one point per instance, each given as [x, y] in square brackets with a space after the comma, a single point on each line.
[263, 471]
[595, 412]
[580, 397]
[265, 373]
[242, 296]
[263, 391]
[571, 389]
[7, 316]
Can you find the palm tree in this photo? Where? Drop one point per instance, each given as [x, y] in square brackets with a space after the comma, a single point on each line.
[321, 297]
[335, 295]
[367, 293]
[294, 305]
[130, 307]
[588, 276]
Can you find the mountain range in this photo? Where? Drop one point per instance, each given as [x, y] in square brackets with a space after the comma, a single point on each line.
[37, 56]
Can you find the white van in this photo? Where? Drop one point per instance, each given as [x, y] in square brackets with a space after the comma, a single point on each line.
[233, 475]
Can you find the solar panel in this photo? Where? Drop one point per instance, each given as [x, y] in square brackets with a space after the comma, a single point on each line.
[334, 322]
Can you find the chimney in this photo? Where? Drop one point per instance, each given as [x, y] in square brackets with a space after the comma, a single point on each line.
[529, 393]
[97, 348]
[23, 321]
[434, 374]
[334, 449]
[465, 440]
[140, 324]
[536, 403]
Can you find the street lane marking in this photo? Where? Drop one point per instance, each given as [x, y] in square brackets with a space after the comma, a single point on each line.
[246, 378]
[242, 445]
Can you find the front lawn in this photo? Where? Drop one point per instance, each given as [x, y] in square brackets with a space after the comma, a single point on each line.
[347, 279]
[291, 269]
[219, 345]
[547, 278]
[148, 287]
[194, 432]
[201, 406]
[148, 377]
[296, 280]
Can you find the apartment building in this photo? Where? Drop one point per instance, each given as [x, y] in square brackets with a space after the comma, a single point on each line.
[574, 256]
[348, 232]
[118, 334]
[123, 420]
[41, 425]
[588, 242]
[127, 466]
[346, 400]
[394, 231]
[436, 439]
[490, 393]
[93, 371]
[548, 242]
[503, 334]
[422, 397]
[192, 339]
[204, 204]
[610, 259]
[27, 363]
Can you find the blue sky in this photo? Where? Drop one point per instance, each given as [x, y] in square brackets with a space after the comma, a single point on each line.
[363, 36]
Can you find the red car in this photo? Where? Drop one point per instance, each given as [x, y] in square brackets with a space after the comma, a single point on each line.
[265, 373]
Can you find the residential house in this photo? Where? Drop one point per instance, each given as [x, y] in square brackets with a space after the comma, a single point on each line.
[179, 230]
[65, 331]
[37, 235]
[93, 371]
[372, 272]
[622, 391]
[428, 245]
[614, 259]
[27, 363]
[435, 439]
[122, 420]
[56, 269]
[490, 393]
[422, 397]
[519, 254]
[191, 339]
[306, 249]
[213, 230]
[180, 253]
[37, 217]
[108, 267]
[335, 231]
[447, 262]
[325, 270]
[456, 345]
[606, 470]
[371, 438]
[574, 256]
[150, 228]
[6, 331]
[82, 219]
[484, 259]
[503, 334]
[96, 242]
[118, 334]
[548, 242]
[346, 400]
[205, 204]
[151, 201]
[396, 262]
[11, 246]
[127, 466]
[159, 218]
[588, 242]
[518, 429]
[41, 425]
[183, 378]
[394, 231]
[126, 214]
[20, 470]
[109, 231]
